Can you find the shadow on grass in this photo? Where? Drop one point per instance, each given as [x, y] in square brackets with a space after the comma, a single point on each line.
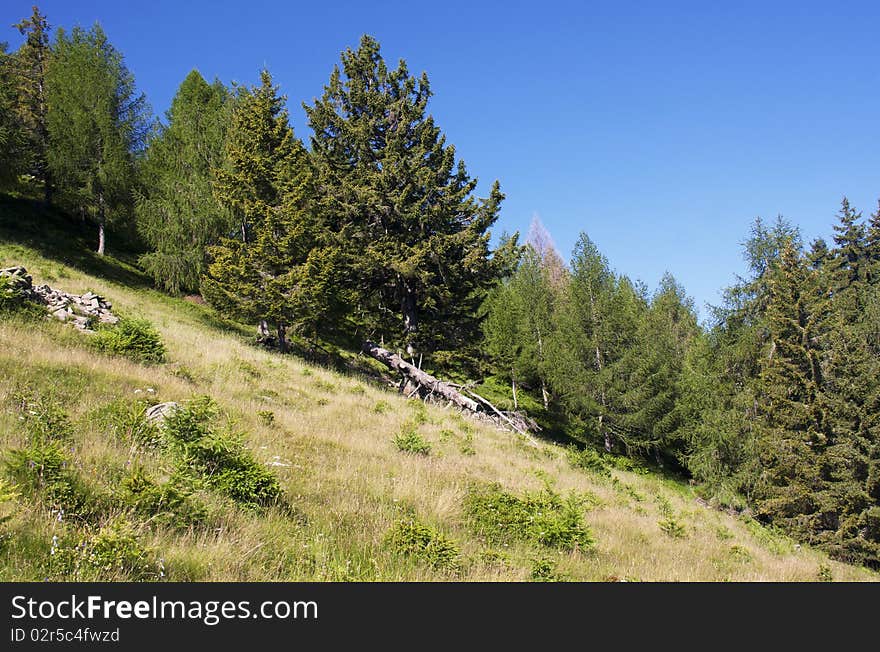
[67, 240]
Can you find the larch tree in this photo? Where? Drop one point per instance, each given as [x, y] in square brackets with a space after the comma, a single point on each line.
[97, 123]
[417, 239]
[31, 64]
[177, 213]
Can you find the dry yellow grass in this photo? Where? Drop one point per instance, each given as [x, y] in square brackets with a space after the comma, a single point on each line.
[347, 483]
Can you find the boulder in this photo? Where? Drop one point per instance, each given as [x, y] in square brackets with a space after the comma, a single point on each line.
[160, 412]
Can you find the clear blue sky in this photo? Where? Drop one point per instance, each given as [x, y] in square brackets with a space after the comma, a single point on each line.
[660, 129]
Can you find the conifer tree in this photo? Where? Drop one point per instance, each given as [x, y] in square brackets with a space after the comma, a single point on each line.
[12, 136]
[418, 241]
[31, 66]
[596, 326]
[652, 370]
[872, 247]
[282, 267]
[792, 404]
[97, 123]
[177, 213]
[848, 266]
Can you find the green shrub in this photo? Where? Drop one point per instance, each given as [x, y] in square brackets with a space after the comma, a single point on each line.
[163, 504]
[14, 302]
[588, 459]
[115, 552]
[267, 417]
[410, 441]
[219, 460]
[44, 470]
[542, 517]
[381, 407]
[135, 339]
[409, 537]
[544, 570]
[671, 527]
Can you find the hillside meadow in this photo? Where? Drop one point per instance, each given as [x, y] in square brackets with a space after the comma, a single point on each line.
[349, 481]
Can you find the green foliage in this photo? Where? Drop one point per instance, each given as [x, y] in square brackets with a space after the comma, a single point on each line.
[44, 417]
[544, 570]
[588, 460]
[425, 543]
[14, 302]
[8, 494]
[543, 517]
[283, 267]
[416, 241]
[267, 417]
[166, 504]
[97, 122]
[177, 213]
[114, 552]
[219, 460]
[410, 441]
[132, 338]
[124, 420]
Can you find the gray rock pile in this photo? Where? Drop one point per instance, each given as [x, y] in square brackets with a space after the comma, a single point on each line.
[82, 311]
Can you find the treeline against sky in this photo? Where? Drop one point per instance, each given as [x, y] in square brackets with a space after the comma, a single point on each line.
[373, 231]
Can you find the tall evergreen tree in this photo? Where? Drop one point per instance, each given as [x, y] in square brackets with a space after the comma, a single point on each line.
[12, 136]
[282, 267]
[97, 123]
[596, 326]
[32, 62]
[652, 370]
[177, 213]
[848, 266]
[418, 241]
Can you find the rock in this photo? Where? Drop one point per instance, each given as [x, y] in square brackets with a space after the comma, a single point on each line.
[61, 314]
[160, 412]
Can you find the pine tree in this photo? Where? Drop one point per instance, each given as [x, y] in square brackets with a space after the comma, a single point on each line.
[418, 242]
[32, 62]
[283, 267]
[872, 247]
[97, 123]
[177, 213]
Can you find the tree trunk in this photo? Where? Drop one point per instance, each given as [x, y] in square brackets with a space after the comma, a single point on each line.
[101, 219]
[544, 395]
[101, 238]
[282, 338]
[410, 318]
[424, 381]
[513, 385]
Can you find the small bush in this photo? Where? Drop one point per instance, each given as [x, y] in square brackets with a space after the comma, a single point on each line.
[113, 553]
[410, 441]
[219, 460]
[43, 469]
[409, 537]
[163, 504]
[135, 339]
[543, 517]
[544, 570]
[381, 407]
[672, 528]
[588, 459]
[824, 573]
[267, 417]
[14, 302]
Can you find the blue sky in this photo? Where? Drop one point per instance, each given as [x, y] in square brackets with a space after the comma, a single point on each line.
[660, 129]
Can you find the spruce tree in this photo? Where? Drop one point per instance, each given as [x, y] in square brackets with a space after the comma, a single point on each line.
[848, 266]
[282, 266]
[97, 123]
[31, 67]
[596, 325]
[417, 240]
[177, 213]
[652, 370]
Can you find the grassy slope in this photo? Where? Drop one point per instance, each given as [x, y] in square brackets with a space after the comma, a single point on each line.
[347, 482]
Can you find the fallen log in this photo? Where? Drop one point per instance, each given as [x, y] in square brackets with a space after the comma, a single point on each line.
[425, 383]
[426, 386]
